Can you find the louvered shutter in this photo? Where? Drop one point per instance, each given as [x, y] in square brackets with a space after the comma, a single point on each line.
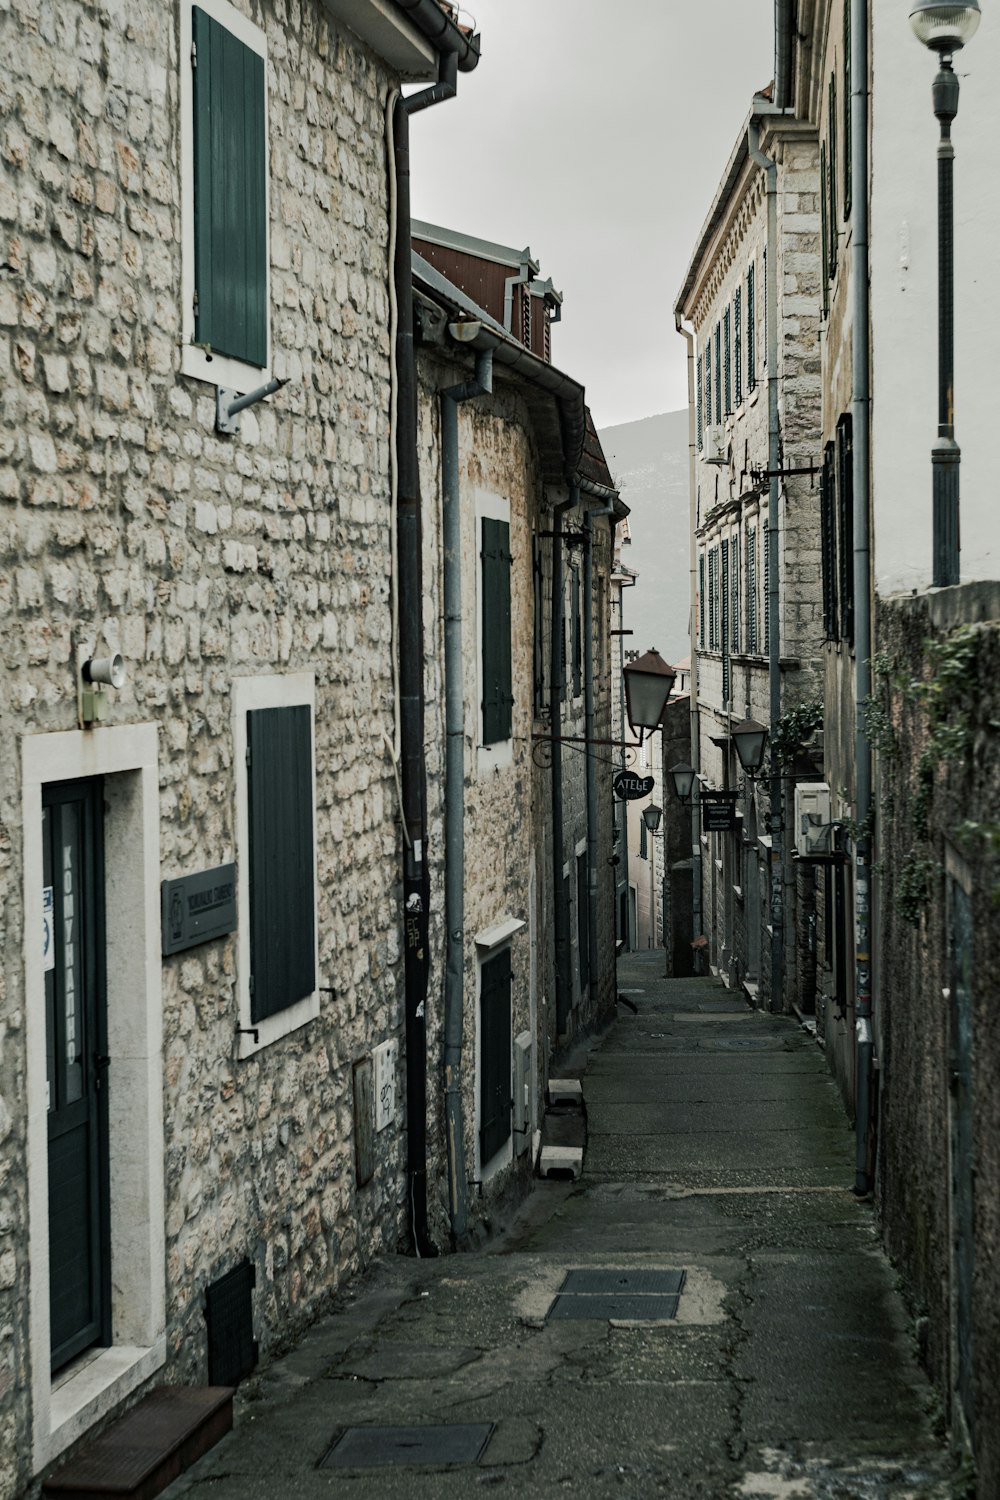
[827, 501]
[698, 400]
[577, 637]
[701, 601]
[824, 233]
[583, 920]
[538, 654]
[727, 335]
[832, 173]
[845, 505]
[497, 696]
[848, 183]
[230, 193]
[282, 860]
[763, 277]
[724, 620]
[752, 641]
[766, 542]
[718, 374]
[495, 1041]
[751, 331]
[734, 590]
[738, 344]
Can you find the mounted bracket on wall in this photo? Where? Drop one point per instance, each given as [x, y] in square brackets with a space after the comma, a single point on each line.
[93, 675]
[229, 404]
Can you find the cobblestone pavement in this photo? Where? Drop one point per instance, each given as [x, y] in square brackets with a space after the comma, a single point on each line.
[717, 1147]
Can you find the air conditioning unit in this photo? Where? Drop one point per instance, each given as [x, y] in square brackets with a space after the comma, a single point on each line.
[813, 819]
[714, 446]
[521, 1114]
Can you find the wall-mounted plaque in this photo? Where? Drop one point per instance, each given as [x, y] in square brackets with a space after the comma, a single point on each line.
[197, 908]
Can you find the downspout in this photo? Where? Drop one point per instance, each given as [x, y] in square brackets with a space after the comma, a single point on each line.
[525, 272]
[410, 646]
[454, 868]
[784, 34]
[696, 872]
[560, 910]
[774, 557]
[591, 733]
[861, 430]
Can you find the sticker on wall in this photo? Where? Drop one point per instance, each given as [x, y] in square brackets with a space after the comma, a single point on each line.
[385, 1084]
[48, 931]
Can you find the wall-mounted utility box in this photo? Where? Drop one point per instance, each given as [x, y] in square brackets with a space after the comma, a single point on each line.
[813, 819]
[386, 1058]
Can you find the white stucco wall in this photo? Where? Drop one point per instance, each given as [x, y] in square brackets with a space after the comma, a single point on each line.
[904, 298]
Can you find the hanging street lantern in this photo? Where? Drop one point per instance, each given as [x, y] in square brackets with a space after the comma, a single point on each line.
[749, 737]
[648, 682]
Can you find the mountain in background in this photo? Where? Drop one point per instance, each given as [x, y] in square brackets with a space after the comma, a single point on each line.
[649, 461]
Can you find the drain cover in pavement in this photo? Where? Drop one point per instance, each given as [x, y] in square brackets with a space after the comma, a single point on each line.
[378, 1447]
[633, 1296]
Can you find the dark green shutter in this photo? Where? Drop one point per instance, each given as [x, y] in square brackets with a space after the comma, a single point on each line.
[824, 233]
[832, 175]
[282, 862]
[752, 641]
[845, 504]
[698, 399]
[494, 1054]
[577, 638]
[847, 111]
[828, 529]
[751, 332]
[738, 345]
[727, 337]
[718, 374]
[701, 601]
[583, 920]
[538, 656]
[230, 194]
[497, 697]
[724, 621]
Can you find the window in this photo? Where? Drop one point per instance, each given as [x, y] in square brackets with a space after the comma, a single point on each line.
[713, 566]
[832, 173]
[701, 601]
[766, 544]
[643, 839]
[734, 593]
[583, 920]
[727, 335]
[225, 297]
[763, 278]
[718, 374]
[845, 538]
[495, 1046]
[538, 653]
[751, 332]
[824, 232]
[828, 531]
[724, 619]
[496, 658]
[276, 858]
[708, 381]
[738, 339]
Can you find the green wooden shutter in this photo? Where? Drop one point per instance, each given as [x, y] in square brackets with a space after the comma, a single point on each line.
[701, 601]
[497, 697]
[828, 530]
[764, 299]
[824, 233]
[582, 920]
[734, 606]
[282, 862]
[848, 182]
[832, 175]
[752, 642]
[230, 193]
[724, 621]
[495, 1042]
[698, 399]
[538, 655]
[718, 374]
[845, 503]
[577, 637]
[727, 336]
[751, 332]
[738, 345]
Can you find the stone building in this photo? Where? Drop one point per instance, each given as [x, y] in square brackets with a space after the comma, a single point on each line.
[202, 935]
[906, 914]
[518, 671]
[750, 303]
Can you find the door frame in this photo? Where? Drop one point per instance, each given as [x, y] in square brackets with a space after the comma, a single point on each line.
[127, 757]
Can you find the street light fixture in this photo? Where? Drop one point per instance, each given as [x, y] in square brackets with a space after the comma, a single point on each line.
[683, 777]
[651, 816]
[648, 682]
[749, 737]
[945, 26]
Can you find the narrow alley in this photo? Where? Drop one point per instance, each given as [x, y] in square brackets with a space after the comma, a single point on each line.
[718, 1158]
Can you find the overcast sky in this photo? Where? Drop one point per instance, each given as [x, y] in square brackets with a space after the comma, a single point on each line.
[597, 133]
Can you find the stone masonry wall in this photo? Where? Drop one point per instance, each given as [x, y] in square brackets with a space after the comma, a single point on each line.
[125, 521]
[938, 789]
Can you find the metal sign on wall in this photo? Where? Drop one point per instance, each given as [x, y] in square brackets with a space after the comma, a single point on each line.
[197, 908]
[628, 787]
[718, 812]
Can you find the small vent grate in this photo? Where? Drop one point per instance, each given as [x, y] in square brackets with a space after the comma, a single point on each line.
[635, 1296]
[232, 1348]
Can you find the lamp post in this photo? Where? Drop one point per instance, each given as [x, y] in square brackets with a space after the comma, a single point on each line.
[651, 816]
[945, 26]
[648, 682]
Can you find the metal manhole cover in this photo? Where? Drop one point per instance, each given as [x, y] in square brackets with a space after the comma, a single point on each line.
[379, 1447]
[734, 1043]
[636, 1296]
[591, 1282]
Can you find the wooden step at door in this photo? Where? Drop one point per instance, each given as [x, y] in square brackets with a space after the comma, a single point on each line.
[146, 1450]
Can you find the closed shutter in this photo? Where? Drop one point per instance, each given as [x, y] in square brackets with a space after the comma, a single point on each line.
[643, 838]
[845, 505]
[752, 641]
[832, 173]
[738, 345]
[724, 621]
[718, 374]
[495, 1043]
[712, 559]
[282, 862]
[734, 592]
[497, 698]
[698, 398]
[751, 332]
[766, 543]
[230, 194]
[701, 601]
[824, 233]
[763, 278]
[727, 335]
[577, 638]
[708, 381]
[828, 529]
[848, 184]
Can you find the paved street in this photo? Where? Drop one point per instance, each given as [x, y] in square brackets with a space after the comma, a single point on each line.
[717, 1148]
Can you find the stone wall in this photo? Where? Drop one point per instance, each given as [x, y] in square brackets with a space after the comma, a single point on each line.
[938, 789]
[127, 523]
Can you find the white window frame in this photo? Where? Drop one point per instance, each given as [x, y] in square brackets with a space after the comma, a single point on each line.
[499, 755]
[63, 1410]
[217, 369]
[278, 690]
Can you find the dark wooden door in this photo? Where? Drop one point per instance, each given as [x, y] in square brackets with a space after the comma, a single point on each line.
[76, 1035]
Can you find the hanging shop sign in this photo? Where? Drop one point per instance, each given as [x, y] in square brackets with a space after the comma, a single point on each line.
[718, 812]
[628, 787]
[197, 908]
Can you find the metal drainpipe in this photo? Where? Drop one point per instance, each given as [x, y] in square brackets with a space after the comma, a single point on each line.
[454, 825]
[774, 594]
[861, 420]
[590, 732]
[564, 995]
[413, 768]
[696, 873]
[522, 278]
